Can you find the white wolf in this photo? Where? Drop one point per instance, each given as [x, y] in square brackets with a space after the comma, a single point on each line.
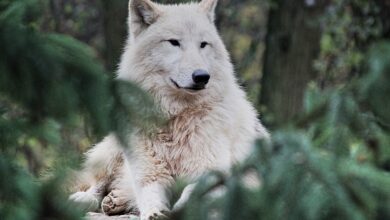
[174, 52]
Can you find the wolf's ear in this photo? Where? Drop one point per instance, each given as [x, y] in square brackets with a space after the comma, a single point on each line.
[209, 6]
[142, 13]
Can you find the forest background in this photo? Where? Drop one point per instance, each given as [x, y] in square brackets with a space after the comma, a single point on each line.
[318, 71]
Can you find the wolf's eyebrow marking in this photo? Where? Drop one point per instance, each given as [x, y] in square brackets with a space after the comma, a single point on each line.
[171, 33]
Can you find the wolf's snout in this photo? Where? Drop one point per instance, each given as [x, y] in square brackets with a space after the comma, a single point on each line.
[200, 77]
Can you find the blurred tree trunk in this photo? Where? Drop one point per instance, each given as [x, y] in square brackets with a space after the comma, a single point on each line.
[384, 6]
[292, 44]
[115, 30]
[55, 9]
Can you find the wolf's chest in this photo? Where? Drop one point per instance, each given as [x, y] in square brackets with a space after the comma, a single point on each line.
[193, 148]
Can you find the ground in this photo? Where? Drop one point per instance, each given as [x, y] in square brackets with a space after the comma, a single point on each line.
[100, 216]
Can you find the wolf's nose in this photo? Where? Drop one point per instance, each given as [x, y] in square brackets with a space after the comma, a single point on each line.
[200, 77]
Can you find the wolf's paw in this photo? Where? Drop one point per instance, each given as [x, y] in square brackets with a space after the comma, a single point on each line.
[86, 200]
[155, 214]
[115, 203]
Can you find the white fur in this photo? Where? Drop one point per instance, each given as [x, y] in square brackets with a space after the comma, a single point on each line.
[209, 129]
[152, 200]
[87, 200]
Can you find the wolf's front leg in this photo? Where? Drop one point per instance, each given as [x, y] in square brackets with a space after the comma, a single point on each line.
[151, 183]
[153, 201]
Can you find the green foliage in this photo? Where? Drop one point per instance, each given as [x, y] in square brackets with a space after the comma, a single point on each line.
[376, 84]
[348, 26]
[24, 198]
[50, 75]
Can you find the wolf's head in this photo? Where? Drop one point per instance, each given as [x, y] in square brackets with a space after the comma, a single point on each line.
[175, 52]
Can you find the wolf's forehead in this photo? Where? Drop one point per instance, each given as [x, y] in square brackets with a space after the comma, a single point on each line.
[180, 8]
[188, 21]
[185, 27]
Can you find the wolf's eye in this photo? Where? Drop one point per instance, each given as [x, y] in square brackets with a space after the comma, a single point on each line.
[203, 44]
[174, 42]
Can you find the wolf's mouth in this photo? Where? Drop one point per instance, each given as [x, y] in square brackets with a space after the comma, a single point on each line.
[192, 88]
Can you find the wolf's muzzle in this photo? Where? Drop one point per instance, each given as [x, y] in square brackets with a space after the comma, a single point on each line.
[200, 78]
